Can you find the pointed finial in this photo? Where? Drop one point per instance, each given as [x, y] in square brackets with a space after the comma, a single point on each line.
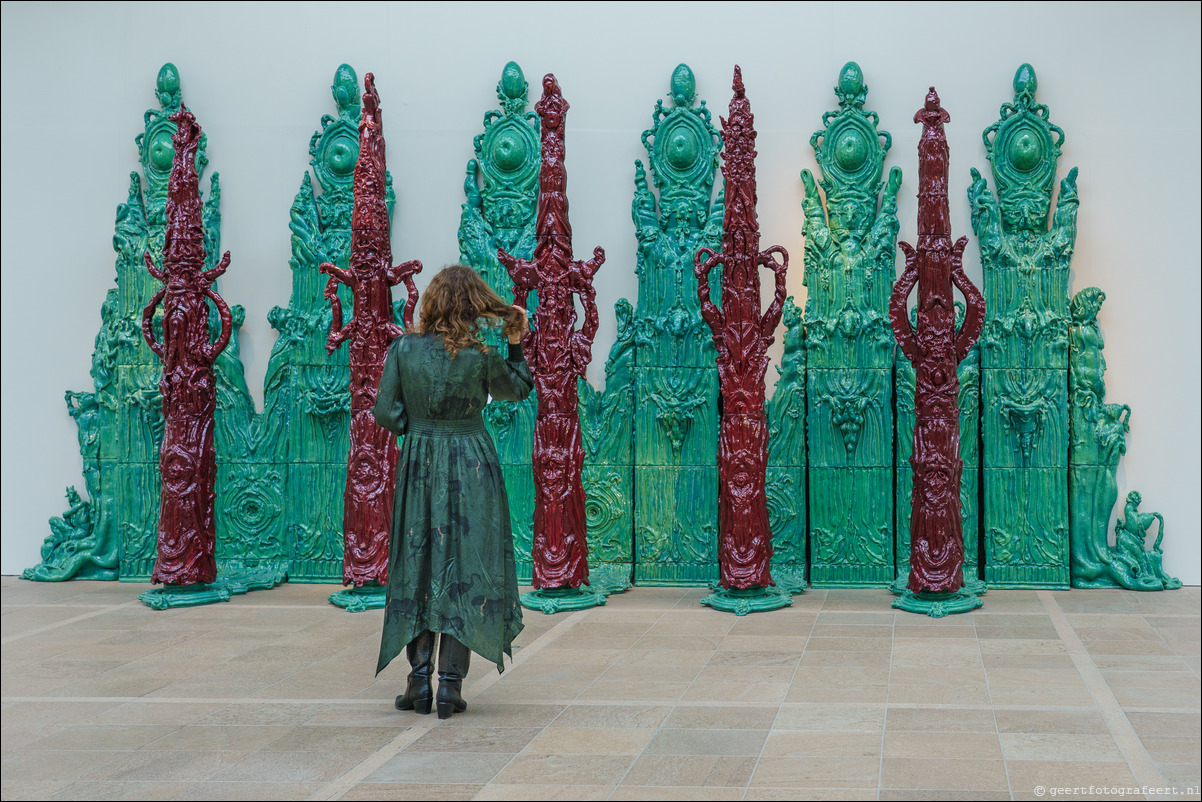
[512, 85]
[1025, 85]
[738, 82]
[932, 103]
[345, 88]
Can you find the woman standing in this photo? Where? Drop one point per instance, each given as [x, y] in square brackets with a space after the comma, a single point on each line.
[451, 566]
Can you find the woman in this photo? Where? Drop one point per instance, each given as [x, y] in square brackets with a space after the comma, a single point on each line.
[450, 568]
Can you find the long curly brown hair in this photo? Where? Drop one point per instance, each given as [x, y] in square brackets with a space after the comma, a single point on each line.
[460, 306]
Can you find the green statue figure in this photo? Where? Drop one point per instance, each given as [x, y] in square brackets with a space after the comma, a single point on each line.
[1098, 441]
[675, 405]
[849, 271]
[786, 477]
[1024, 344]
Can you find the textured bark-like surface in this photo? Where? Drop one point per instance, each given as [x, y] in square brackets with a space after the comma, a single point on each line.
[741, 335]
[501, 191]
[969, 375]
[1024, 344]
[675, 404]
[1098, 441]
[558, 354]
[849, 270]
[187, 461]
[936, 350]
[371, 465]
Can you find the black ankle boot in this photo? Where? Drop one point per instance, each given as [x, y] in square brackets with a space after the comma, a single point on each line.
[419, 695]
[453, 659]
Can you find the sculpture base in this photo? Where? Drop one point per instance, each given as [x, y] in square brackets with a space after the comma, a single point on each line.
[742, 601]
[937, 605]
[558, 600]
[233, 579]
[356, 600]
[790, 577]
[971, 584]
[610, 578]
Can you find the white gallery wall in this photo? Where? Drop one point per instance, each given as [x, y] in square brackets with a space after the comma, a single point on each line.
[1122, 80]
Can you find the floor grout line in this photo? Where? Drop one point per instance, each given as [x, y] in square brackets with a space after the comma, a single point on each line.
[356, 774]
[63, 623]
[1129, 743]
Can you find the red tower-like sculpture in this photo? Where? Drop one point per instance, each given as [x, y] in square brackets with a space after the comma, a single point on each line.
[371, 465]
[558, 354]
[936, 349]
[187, 461]
[742, 336]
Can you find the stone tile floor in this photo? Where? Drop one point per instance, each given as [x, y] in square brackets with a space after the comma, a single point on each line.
[272, 696]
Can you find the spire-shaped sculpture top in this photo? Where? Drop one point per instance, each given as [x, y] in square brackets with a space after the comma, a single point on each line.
[371, 208]
[934, 217]
[184, 236]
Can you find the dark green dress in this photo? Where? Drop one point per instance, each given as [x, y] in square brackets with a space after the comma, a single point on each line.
[450, 568]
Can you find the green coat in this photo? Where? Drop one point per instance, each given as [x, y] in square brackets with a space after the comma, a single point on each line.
[450, 567]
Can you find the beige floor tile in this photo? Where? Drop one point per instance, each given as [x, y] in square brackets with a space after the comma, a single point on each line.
[1059, 746]
[1180, 775]
[57, 712]
[163, 766]
[458, 768]
[113, 737]
[936, 773]
[791, 794]
[1108, 647]
[692, 741]
[1085, 722]
[838, 693]
[535, 692]
[1181, 698]
[120, 790]
[566, 672]
[918, 719]
[691, 770]
[878, 618]
[1182, 679]
[31, 789]
[509, 740]
[1022, 646]
[51, 766]
[1036, 677]
[503, 791]
[795, 744]
[560, 770]
[823, 630]
[1165, 724]
[763, 643]
[935, 633]
[1027, 695]
[668, 792]
[493, 714]
[726, 672]
[922, 745]
[637, 672]
[305, 738]
[200, 738]
[835, 659]
[756, 693]
[1173, 750]
[589, 741]
[823, 718]
[936, 694]
[612, 716]
[1025, 775]
[415, 791]
[817, 772]
[994, 661]
[250, 790]
[939, 794]
[929, 675]
[679, 642]
[654, 692]
[850, 644]
[752, 659]
[847, 676]
[721, 717]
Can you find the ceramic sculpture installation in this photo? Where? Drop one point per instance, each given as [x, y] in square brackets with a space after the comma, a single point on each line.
[786, 479]
[186, 553]
[558, 354]
[849, 271]
[676, 380]
[1098, 441]
[1024, 345]
[969, 376]
[741, 336]
[501, 191]
[113, 534]
[371, 465]
[935, 348]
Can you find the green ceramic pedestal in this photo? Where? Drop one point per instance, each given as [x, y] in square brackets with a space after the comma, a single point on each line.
[558, 600]
[937, 605]
[742, 601]
[232, 580]
[356, 600]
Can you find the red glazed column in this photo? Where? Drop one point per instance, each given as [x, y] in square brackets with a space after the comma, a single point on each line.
[187, 461]
[371, 465]
[935, 350]
[558, 354]
[742, 336]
